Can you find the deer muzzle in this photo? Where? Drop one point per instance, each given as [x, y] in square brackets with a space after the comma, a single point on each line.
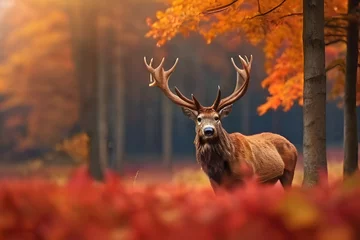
[208, 131]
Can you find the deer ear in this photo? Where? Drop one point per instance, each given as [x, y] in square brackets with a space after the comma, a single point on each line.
[224, 112]
[192, 114]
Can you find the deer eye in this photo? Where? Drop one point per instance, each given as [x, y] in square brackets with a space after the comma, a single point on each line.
[216, 118]
[199, 119]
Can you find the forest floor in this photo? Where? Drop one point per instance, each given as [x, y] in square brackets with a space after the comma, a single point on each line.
[184, 172]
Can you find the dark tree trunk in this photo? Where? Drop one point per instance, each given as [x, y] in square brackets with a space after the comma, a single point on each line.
[108, 47]
[83, 19]
[314, 142]
[100, 113]
[167, 132]
[275, 122]
[120, 110]
[245, 115]
[113, 80]
[350, 119]
[104, 79]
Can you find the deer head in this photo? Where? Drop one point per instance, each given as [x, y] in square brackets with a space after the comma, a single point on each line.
[207, 119]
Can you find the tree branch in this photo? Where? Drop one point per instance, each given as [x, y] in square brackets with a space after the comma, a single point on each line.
[335, 35]
[332, 32]
[335, 41]
[329, 68]
[259, 8]
[269, 11]
[341, 17]
[290, 15]
[334, 26]
[226, 6]
[219, 9]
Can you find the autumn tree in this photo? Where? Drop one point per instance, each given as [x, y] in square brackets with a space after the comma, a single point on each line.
[44, 28]
[272, 24]
[36, 71]
[259, 22]
[117, 29]
[88, 44]
[268, 23]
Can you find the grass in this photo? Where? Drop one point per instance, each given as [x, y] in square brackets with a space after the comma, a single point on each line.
[190, 175]
[197, 178]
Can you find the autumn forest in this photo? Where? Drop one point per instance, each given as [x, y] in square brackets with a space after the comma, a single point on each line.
[78, 104]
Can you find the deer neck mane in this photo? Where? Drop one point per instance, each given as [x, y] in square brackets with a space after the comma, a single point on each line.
[214, 155]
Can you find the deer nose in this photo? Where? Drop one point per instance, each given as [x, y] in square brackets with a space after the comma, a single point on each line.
[208, 131]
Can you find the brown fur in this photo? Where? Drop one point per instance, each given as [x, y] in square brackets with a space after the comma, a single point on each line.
[270, 156]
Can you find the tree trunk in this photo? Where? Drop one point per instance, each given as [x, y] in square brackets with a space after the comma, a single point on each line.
[108, 49]
[167, 132]
[245, 115]
[79, 36]
[100, 112]
[120, 111]
[314, 142]
[275, 122]
[350, 124]
[85, 52]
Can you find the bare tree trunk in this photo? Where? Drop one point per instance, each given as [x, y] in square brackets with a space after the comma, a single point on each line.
[275, 122]
[350, 119]
[80, 44]
[109, 46]
[120, 111]
[149, 130]
[167, 132]
[101, 102]
[245, 118]
[198, 76]
[110, 76]
[314, 142]
[85, 51]
[115, 99]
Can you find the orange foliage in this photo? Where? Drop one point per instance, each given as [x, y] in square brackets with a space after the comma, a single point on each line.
[336, 73]
[76, 147]
[83, 209]
[38, 71]
[277, 25]
[39, 64]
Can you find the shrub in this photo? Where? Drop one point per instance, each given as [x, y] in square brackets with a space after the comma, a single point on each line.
[76, 146]
[84, 209]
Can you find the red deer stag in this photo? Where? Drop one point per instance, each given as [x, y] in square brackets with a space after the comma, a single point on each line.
[222, 155]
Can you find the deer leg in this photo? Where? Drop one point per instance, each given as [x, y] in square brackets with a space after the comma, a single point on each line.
[289, 156]
[287, 178]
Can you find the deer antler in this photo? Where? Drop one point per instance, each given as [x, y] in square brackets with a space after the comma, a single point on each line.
[160, 78]
[238, 92]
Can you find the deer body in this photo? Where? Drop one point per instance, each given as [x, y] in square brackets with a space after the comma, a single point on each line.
[270, 156]
[224, 156]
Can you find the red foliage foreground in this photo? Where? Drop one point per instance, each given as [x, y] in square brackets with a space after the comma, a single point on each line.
[83, 209]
